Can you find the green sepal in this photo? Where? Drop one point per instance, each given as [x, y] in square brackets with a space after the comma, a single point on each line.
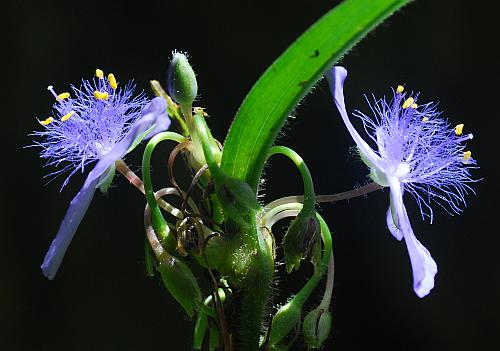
[181, 283]
[285, 322]
[236, 197]
[301, 236]
[315, 256]
[106, 179]
[316, 327]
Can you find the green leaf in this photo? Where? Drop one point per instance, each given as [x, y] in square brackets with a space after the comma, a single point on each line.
[290, 77]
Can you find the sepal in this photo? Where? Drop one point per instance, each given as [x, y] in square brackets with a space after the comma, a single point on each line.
[301, 236]
[236, 197]
[285, 325]
[316, 327]
[181, 283]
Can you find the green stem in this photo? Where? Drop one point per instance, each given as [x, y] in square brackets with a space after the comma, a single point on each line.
[199, 130]
[304, 171]
[172, 109]
[327, 296]
[255, 289]
[251, 264]
[159, 223]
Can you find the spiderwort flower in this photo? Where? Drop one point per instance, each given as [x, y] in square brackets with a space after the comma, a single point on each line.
[417, 151]
[99, 122]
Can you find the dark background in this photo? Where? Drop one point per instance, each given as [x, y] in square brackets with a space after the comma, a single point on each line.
[101, 299]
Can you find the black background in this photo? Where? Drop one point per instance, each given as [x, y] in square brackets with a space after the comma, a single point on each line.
[101, 299]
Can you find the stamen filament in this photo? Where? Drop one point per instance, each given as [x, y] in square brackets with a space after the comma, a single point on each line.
[51, 89]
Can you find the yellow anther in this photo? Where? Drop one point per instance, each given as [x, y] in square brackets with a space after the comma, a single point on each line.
[63, 96]
[414, 105]
[408, 102]
[67, 116]
[425, 119]
[99, 95]
[400, 89]
[99, 73]
[467, 155]
[459, 128]
[112, 81]
[47, 121]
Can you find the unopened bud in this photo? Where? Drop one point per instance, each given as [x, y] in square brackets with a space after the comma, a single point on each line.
[300, 237]
[236, 197]
[181, 80]
[285, 324]
[316, 327]
[181, 283]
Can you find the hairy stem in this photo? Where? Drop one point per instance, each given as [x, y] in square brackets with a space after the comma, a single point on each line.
[308, 199]
[346, 195]
[159, 223]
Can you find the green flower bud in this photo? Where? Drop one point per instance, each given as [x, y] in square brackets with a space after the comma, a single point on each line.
[316, 327]
[285, 322]
[300, 237]
[181, 80]
[181, 283]
[236, 197]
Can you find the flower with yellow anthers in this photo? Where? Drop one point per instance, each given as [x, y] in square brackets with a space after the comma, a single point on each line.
[98, 122]
[416, 152]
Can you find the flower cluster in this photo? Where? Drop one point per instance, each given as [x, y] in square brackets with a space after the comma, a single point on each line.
[417, 151]
[99, 122]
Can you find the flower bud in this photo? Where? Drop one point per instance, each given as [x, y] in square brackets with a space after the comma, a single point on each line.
[300, 237]
[236, 197]
[181, 80]
[181, 283]
[285, 322]
[316, 327]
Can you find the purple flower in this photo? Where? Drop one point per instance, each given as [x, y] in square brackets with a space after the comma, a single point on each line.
[417, 151]
[100, 122]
